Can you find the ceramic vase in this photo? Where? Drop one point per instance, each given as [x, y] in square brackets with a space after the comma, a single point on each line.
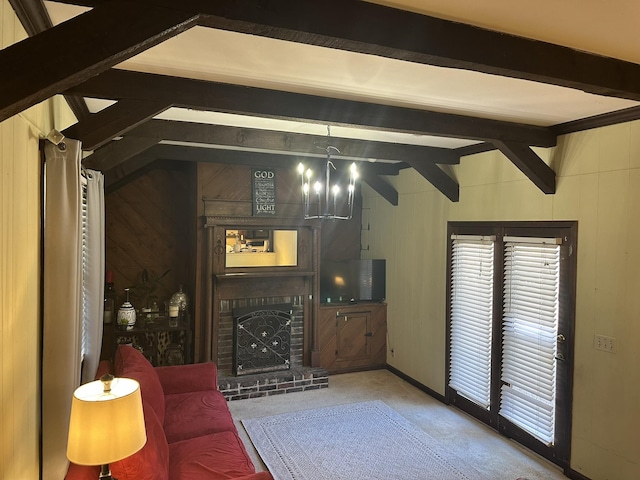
[126, 313]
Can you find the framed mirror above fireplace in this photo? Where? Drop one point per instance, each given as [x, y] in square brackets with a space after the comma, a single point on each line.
[261, 247]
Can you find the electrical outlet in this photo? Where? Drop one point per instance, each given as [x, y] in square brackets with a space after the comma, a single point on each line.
[604, 343]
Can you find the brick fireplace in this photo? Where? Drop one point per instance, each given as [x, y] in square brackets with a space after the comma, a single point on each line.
[233, 288]
[296, 378]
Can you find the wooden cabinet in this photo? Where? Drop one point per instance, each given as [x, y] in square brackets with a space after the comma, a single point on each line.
[352, 337]
[159, 342]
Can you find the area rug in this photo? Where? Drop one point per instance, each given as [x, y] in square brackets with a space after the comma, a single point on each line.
[365, 441]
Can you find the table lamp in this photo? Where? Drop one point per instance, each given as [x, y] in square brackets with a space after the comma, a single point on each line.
[107, 423]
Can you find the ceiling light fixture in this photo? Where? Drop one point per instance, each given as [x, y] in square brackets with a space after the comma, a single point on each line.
[326, 201]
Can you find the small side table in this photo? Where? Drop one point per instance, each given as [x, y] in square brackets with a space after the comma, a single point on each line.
[160, 343]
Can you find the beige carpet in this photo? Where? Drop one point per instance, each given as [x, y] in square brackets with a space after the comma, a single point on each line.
[356, 441]
[493, 455]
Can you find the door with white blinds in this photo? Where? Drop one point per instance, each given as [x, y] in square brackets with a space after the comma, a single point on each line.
[510, 325]
[529, 335]
[471, 318]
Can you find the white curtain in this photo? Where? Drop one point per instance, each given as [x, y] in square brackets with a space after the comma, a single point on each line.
[63, 300]
[93, 275]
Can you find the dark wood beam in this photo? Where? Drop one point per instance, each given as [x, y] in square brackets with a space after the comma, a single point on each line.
[434, 175]
[383, 188]
[99, 128]
[476, 148]
[372, 29]
[52, 61]
[530, 164]
[202, 95]
[117, 152]
[127, 171]
[35, 19]
[298, 143]
[603, 120]
[32, 15]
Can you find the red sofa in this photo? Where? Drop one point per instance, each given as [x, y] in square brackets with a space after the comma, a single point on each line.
[190, 431]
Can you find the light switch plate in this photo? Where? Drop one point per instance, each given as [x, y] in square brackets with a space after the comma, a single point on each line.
[604, 343]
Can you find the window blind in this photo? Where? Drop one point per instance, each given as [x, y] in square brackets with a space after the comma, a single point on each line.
[471, 318]
[529, 336]
[85, 266]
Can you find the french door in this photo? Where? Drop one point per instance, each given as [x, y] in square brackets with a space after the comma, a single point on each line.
[510, 323]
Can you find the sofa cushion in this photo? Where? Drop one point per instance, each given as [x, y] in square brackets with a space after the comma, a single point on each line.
[188, 378]
[152, 461]
[189, 415]
[216, 456]
[130, 363]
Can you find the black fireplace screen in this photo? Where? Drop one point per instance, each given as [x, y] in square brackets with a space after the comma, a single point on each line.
[261, 338]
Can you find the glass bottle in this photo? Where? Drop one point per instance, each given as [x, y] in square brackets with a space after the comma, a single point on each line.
[109, 299]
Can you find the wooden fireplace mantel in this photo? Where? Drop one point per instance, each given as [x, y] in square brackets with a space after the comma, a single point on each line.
[228, 284]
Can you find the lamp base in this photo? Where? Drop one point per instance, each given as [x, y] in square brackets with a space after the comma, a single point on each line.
[105, 473]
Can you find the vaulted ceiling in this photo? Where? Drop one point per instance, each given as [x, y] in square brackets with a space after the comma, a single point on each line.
[259, 82]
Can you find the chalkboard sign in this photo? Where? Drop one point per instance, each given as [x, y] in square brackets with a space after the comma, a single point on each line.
[263, 186]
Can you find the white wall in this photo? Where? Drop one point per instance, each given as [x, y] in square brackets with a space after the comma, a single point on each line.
[598, 184]
[20, 272]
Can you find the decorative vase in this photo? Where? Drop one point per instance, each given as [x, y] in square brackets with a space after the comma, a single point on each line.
[126, 313]
[180, 298]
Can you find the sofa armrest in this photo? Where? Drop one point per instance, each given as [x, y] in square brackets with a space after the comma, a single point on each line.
[188, 378]
[256, 476]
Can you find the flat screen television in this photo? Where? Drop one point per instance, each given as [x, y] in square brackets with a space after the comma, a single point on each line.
[353, 281]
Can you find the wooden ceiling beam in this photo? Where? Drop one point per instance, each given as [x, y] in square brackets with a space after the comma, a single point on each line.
[34, 18]
[439, 179]
[529, 163]
[117, 119]
[51, 61]
[296, 143]
[117, 173]
[99, 128]
[212, 96]
[384, 189]
[124, 172]
[118, 152]
[372, 29]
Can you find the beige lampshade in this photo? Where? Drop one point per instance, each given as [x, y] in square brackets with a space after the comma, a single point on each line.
[105, 426]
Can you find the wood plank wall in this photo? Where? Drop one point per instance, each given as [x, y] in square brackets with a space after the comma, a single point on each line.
[155, 222]
[150, 224]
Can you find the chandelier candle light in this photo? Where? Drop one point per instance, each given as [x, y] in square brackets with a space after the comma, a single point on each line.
[329, 209]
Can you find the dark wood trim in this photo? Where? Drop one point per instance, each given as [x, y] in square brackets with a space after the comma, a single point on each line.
[434, 175]
[91, 43]
[621, 116]
[573, 475]
[99, 128]
[385, 190]
[127, 171]
[417, 384]
[476, 148]
[529, 163]
[117, 152]
[203, 95]
[35, 19]
[32, 15]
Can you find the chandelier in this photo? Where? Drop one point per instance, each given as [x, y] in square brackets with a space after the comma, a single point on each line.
[326, 201]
